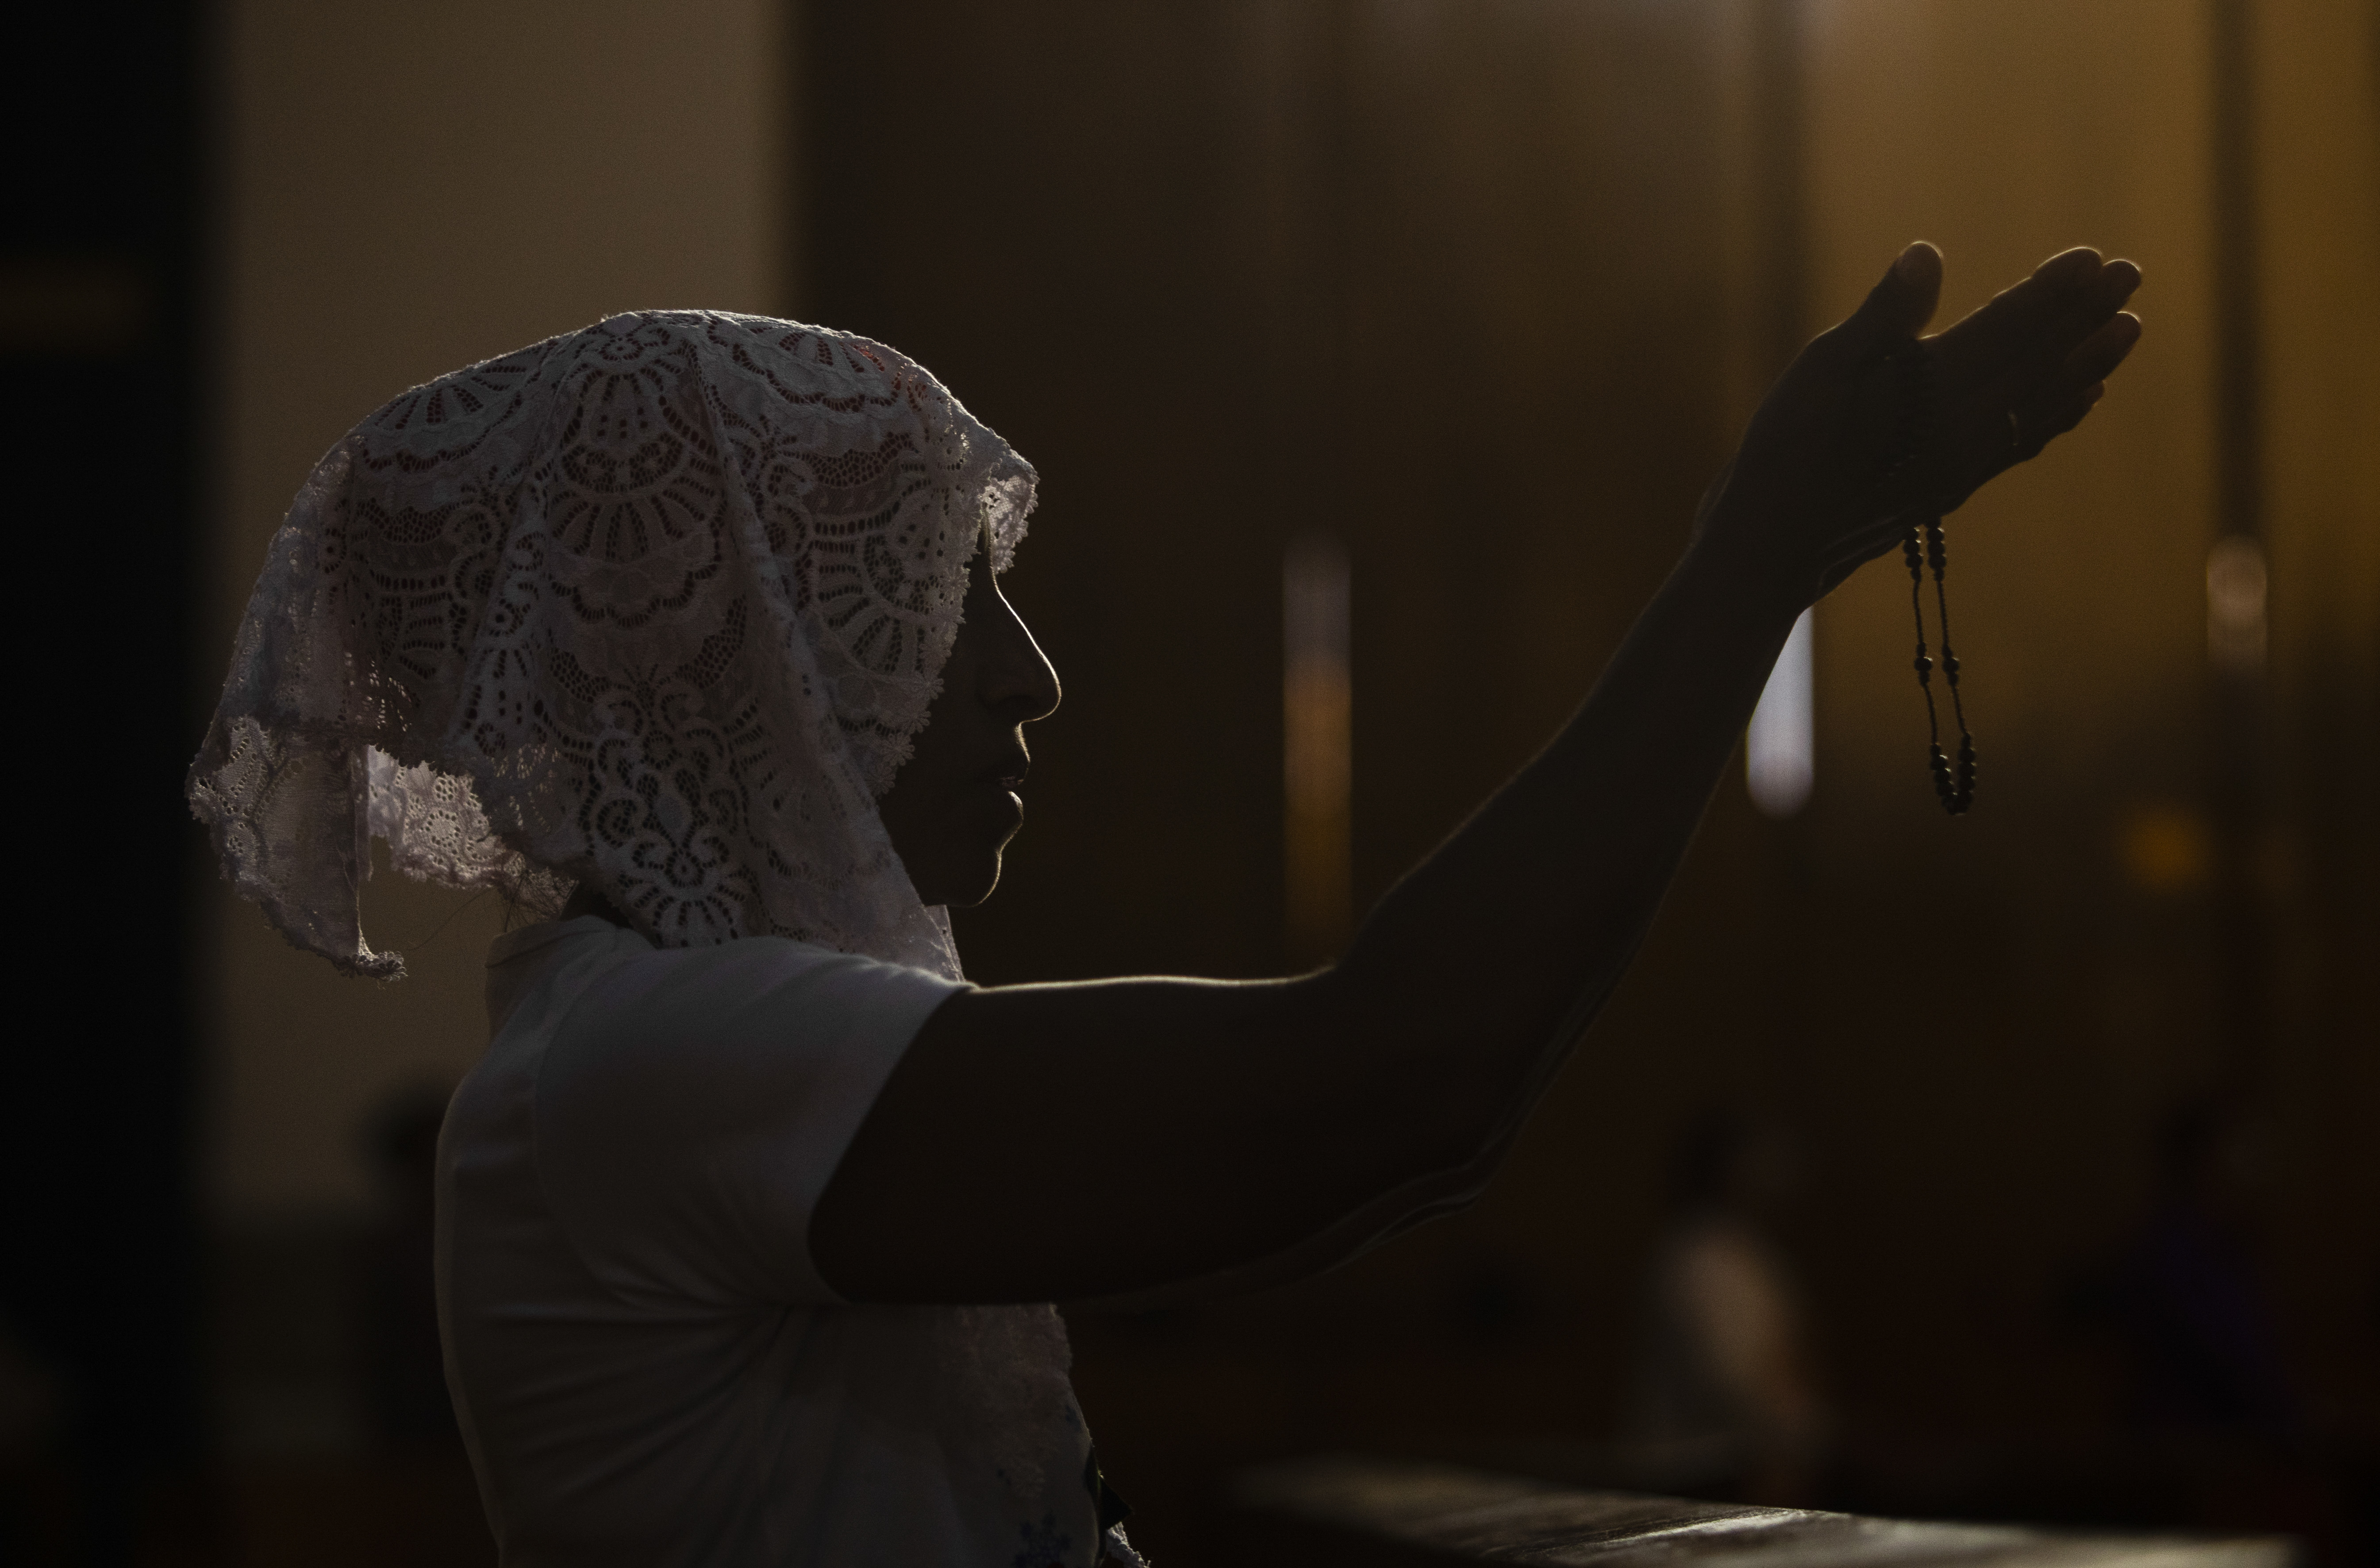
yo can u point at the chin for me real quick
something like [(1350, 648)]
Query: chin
[(969, 884)]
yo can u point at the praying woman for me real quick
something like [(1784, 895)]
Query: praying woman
[(684, 632)]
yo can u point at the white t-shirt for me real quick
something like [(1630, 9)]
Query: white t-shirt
[(647, 1366)]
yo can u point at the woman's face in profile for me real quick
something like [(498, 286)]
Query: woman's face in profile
[(954, 805)]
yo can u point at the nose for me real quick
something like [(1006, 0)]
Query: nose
[(1015, 678)]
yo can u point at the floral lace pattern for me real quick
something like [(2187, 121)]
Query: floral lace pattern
[(658, 604)]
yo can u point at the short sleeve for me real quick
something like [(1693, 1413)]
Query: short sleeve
[(694, 1102)]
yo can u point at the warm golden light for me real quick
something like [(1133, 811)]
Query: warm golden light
[(2235, 585), (1316, 704), (2168, 848)]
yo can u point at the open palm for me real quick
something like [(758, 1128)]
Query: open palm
[(1824, 480)]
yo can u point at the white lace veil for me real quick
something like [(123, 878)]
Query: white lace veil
[(657, 605)]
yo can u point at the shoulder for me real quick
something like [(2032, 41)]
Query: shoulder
[(765, 1017), (591, 953), (727, 982)]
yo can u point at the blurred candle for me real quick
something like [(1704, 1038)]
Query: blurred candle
[(1316, 707), (2236, 581), (1779, 750)]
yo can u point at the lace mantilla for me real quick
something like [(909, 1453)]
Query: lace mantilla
[(658, 604)]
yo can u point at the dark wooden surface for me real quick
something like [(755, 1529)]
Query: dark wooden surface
[(1386, 1513)]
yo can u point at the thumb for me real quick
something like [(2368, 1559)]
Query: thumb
[(1899, 306)]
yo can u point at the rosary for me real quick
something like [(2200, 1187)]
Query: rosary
[(1922, 548)]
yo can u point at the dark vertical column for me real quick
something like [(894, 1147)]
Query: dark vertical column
[(1777, 321), (2239, 457), (97, 1269), (1304, 151), (1779, 193), (1047, 205), (2239, 770)]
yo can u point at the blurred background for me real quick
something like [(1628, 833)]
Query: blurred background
[(1373, 353)]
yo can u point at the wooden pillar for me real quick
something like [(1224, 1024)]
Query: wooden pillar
[(2238, 771)]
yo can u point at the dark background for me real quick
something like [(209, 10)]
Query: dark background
[(1479, 291), (99, 1261)]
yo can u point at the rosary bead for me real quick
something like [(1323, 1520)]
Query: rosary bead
[(1921, 547)]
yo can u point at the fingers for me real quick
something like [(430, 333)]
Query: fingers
[(2054, 408), (2035, 361), (1896, 309), (1982, 344), (2092, 311), (1918, 272), (2096, 356), (2039, 369), (2078, 381)]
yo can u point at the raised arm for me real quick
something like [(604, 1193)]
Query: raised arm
[(1131, 1137)]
